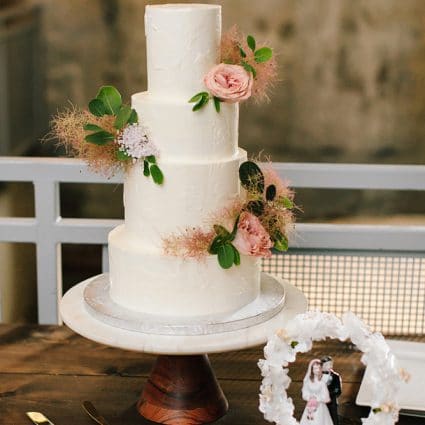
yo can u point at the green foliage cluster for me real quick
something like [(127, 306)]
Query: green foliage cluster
[(222, 246), (252, 179), (202, 98), (261, 55), (108, 101)]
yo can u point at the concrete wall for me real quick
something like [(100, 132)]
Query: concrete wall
[(352, 72)]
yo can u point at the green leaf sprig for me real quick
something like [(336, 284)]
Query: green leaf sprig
[(202, 98), (261, 55), (150, 168), (227, 254), (260, 196), (252, 179), (108, 101)]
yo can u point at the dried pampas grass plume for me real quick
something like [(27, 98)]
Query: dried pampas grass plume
[(227, 215), (266, 72), (68, 131), (230, 41), (191, 243)]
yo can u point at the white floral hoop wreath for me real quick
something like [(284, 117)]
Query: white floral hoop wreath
[(298, 336)]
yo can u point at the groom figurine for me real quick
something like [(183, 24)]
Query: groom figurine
[(333, 381)]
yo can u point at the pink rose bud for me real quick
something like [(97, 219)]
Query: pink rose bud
[(312, 404), (251, 237), (230, 83)]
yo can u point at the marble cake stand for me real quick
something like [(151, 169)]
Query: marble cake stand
[(182, 388)]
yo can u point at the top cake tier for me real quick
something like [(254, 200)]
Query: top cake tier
[(183, 43)]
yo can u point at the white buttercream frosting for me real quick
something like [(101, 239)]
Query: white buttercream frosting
[(199, 158), (192, 191), (183, 43), (181, 133), (144, 280)]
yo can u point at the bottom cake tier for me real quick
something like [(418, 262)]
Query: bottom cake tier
[(150, 282)]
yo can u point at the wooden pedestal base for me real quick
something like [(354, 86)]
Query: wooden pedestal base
[(182, 390)]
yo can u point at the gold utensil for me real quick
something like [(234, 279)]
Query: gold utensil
[(38, 418), (93, 413)]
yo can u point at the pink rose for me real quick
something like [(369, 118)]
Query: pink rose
[(312, 404), (230, 83), (251, 237)]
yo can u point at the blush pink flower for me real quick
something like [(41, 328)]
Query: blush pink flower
[(230, 83), (312, 404), (251, 237)]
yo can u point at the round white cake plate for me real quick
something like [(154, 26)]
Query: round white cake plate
[(76, 315), (182, 387)]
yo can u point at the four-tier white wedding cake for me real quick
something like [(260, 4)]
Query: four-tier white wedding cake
[(199, 157)]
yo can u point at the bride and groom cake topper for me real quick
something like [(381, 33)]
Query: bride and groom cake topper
[(321, 389)]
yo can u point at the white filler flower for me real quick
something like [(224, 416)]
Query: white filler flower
[(135, 142)]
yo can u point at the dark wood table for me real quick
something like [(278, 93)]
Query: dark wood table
[(52, 370)]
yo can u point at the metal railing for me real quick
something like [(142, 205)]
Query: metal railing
[(48, 230)]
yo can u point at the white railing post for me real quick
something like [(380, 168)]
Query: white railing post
[(105, 259), (49, 262)]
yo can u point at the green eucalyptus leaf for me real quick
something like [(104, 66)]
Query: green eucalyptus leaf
[(226, 255), (111, 98), (294, 344), (286, 202), (242, 52), (133, 119), (122, 117), (251, 177), (271, 192), (221, 231), (263, 55), (122, 155), (156, 174), (100, 138), (151, 159), (249, 68), (251, 42), (235, 228), (237, 259), (198, 97), (217, 102), (92, 127), (280, 242), (202, 102), (146, 170), (198, 106), (255, 207), (97, 107), (217, 241)]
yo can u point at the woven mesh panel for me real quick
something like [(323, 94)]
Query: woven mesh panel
[(388, 292)]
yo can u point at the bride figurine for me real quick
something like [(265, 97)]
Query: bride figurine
[(315, 393)]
